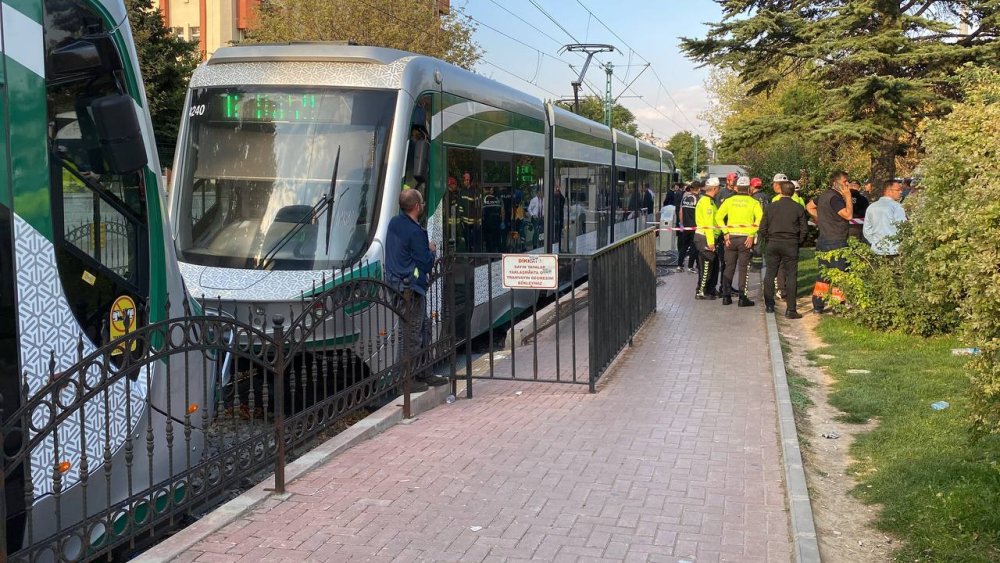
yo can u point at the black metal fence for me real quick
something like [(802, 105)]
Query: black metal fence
[(567, 335), (141, 434), (172, 418)]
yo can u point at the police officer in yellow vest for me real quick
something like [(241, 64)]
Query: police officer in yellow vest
[(705, 237), (738, 216), (776, 183)]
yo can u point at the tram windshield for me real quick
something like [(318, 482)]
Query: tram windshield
[(258, 187)]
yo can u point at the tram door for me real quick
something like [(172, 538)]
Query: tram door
[(9, 365)]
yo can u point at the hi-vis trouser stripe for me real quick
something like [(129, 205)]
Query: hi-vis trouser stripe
[(746, 281), (705, 269)]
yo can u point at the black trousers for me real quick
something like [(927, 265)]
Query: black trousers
[(737, 264), (781, 256), (686, 248), (721, 263), (708, 265)]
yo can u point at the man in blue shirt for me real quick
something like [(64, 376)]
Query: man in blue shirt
[(882, 219), (409, 257)]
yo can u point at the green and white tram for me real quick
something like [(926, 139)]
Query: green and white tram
[(264, 211), (83, 257)]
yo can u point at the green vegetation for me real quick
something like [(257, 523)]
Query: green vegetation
[(682, 146), (735, 113), (166, 63), (939, 489), (797, 386), (849, 71), (409, 25), (946, 278), (592, 108)]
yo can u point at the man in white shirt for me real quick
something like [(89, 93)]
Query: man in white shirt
[(882, 219), (536, 212)]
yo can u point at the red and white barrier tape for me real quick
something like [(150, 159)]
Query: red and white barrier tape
[(721, 227)]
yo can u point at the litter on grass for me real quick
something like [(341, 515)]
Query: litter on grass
[(940, 405)]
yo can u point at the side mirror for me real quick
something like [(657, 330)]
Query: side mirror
[(81, 56), (119, 134), (84, 56), (421, 159)]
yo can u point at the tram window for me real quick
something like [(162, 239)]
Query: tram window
[(529, 172), (496, 194), (99, 216), (420, 134), (464, 199), (585, 186), (99, 230), (207, 201)]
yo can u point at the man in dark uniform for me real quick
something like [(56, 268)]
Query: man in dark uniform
[(783, 230), (506, 195), (860, 207), (492, 218), (471, 214), (557, 214), (832, 210), (409, 257), (757, 192), (685, 238)]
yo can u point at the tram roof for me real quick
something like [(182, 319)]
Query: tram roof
[(307, 52)]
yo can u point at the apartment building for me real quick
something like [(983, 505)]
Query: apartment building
[(218, 23)]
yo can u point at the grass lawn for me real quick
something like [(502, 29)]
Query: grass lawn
[(807, 271), (940, 490)]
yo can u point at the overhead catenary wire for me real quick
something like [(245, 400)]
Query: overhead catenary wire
[(515, 75), (633, 50), (573, 37), (540, 52)]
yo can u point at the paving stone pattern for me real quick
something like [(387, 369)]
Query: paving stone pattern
[(675, 459)]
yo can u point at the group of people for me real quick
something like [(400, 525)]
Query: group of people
[(724, 223), (501, 219)]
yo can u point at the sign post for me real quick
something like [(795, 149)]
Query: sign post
[(530, 271)]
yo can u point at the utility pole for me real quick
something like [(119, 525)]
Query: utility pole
[(591, 49), (694, 167), (610, 70)]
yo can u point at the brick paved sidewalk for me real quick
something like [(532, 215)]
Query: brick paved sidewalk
[(675, 459)]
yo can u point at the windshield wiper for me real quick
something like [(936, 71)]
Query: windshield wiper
[(330, 195), (324, 205)]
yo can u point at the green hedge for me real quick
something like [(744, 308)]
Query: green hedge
[(947, 277)]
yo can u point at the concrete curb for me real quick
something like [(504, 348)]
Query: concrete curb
[(374, 424), (803, 527)]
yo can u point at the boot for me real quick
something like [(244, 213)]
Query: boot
[(702, 295), (727, 300), (793, 315), (745, 301)]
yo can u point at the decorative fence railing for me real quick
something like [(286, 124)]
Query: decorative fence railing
[(567, 335), (137, 436), (140, 435)]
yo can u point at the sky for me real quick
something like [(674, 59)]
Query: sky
[(521, 46)]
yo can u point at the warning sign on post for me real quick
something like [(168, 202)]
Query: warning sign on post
[(530, 271)]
